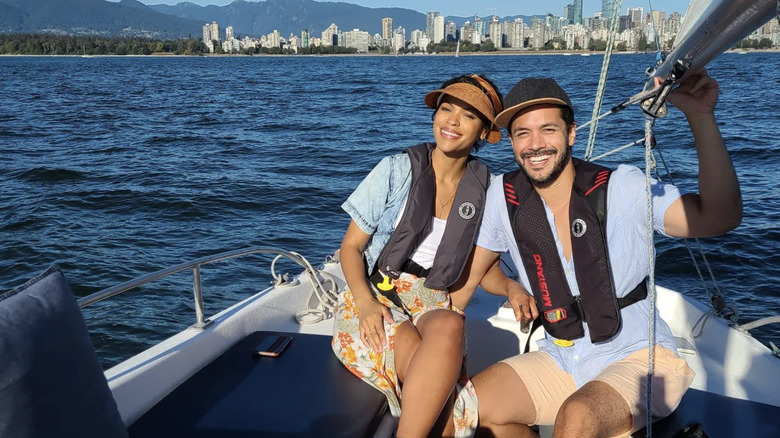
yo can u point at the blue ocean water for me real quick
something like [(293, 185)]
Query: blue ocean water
[(114, 167)]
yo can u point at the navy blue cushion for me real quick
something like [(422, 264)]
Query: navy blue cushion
[(51, 383)]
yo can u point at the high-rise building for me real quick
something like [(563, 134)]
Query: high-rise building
[(438, 29), (330, 35), (399, 39), (538, 33), (293, 43), (479, 27), (494, 30), (210, 33), (274, 39), (357, 39), (451, 31), (424, 41), (625, 23), (206, 33), (305, 38), (414, 37), (467, 32), (608, 9), (387, 28), (577, 11), (229, 33), (675, 20), (568, 13), (658, 17), (214, 31), (516, 34), (636, 15), (430, 16)]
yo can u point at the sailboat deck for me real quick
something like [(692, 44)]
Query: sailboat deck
[(304, 392), (307, 392)]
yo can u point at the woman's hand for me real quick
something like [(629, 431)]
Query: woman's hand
[(370, 311), (372, 315)]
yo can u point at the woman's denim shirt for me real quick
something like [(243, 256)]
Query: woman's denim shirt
[(378, 201)]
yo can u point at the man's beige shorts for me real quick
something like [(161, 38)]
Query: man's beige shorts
[(549, 386)]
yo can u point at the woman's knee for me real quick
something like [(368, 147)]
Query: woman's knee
[(441, 323)]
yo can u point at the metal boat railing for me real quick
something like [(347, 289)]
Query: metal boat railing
[(195, 265)]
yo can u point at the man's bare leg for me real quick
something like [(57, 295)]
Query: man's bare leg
[(595, 410), (505, 407)]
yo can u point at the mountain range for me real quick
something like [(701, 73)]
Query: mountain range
[(292, 16), (253, 18), (92, 17)]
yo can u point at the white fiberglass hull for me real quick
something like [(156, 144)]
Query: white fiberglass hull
[(726, 361)]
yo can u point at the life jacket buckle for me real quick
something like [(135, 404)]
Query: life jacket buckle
[(555, 315)]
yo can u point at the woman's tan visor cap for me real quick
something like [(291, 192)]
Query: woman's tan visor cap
[(473, 96)]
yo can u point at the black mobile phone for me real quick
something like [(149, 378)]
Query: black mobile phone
[(273, 345)]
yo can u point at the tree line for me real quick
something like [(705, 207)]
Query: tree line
[(47, 44)]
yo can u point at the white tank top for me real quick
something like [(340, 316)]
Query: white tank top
[(425, 253)]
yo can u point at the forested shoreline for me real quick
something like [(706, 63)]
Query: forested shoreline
[(63, 45)]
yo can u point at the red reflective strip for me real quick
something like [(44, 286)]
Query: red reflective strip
[(594, 187)]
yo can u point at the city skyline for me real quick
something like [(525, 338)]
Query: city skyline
[(462, 8)]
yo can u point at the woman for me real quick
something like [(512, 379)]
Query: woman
[(414, 220)]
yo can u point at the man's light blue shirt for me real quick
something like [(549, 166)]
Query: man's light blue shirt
[(629, 254)]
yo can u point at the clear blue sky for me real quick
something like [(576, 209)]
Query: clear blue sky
[(485, 7)]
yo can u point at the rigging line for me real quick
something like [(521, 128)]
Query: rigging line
[(649, 165), (655, 33), (626, 146), (637, 98), (603, 79)]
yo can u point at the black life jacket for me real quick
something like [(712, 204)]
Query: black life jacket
[(562, 314), (416, 221)]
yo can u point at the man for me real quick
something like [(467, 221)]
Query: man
[(577, 234)]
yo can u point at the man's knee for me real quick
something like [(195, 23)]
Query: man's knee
[(576, 410), (595, 410)]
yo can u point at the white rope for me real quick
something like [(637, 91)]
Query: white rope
[(603, 80), (328, 298), (698, 327), (760, 322), (649, 166)]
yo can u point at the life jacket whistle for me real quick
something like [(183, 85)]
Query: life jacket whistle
[(385, 285)]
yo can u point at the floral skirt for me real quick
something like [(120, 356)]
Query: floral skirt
[(378, 368)]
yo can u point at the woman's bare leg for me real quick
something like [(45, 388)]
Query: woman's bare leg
[(431, 373)]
